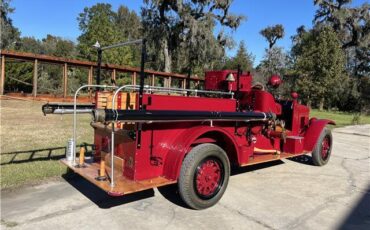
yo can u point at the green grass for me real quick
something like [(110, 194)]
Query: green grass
[(341, 118), (31, 143)]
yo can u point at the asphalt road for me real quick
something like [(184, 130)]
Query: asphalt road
[(280, 195)]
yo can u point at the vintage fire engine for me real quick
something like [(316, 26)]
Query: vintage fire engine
[(146, 137)]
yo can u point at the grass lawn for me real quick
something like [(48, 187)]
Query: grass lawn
[(31, 143), (341, 118)]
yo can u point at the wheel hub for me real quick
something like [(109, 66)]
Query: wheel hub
[(325, 148), (208, 178)]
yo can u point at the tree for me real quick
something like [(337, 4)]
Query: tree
[(272, 34), (320, 65), (242, 58), (57, 46), (8, 33), (274, 61), (352, 25), (129, 23), (98, 23), (187, 26)]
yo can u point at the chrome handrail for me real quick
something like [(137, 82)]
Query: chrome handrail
[(75, 116)]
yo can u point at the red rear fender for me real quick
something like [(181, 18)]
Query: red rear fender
[(182, 146)]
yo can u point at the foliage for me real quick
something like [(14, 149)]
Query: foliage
[(20, 74), (8, 33), (320, 65), (272, 34), (274, 62), (242, 58), (182, 32), (99, 24), (352, 24)]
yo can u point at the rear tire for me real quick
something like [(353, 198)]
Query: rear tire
[(204, 176), (322, 151)]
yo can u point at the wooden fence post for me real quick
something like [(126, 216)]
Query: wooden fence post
[(2, 78), (133, 78), (153, 80), (169, 82), (90, 79), (114, 75), (35, 74), (65, 79)]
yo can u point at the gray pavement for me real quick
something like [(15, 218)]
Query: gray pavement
[(279, 195)]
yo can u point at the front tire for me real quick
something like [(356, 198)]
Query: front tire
[(322, 150), (204, 176)]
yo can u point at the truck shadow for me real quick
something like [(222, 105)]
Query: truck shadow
[(303, 159), (169, 192), (100, 197)]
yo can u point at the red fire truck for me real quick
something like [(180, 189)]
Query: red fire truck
[(147, 137)]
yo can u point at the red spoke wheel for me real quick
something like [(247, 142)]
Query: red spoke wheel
[(204, 176), (325, 148), (208, 177), (322, 150)]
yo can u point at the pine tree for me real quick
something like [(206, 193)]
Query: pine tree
[(242, 58), (320, 65)]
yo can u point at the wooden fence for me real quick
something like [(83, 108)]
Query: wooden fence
[(36, 59)]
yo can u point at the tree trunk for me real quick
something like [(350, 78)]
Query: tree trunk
[(309, 103), (167, 57), (321, 105)]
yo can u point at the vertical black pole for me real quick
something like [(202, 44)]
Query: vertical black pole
[(238, 79), (99, 68), (141, 90), (238, 87), (188, 81), (142, 73)]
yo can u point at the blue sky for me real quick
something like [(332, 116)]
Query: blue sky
[(38, 18)]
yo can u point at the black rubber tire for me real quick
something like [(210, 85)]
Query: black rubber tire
[(189, 166), (317, 158)]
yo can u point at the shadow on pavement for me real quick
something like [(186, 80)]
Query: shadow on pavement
[(303, 159), (238, 170), (359, 217), (100, 197), (52, 153), (169, 192)]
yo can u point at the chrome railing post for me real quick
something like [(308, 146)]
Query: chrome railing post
[(75, 116), (113, 124)]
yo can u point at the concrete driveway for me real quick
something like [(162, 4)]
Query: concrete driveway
[(279, 195)]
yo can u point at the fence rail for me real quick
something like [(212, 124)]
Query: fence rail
[(65, 63)]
